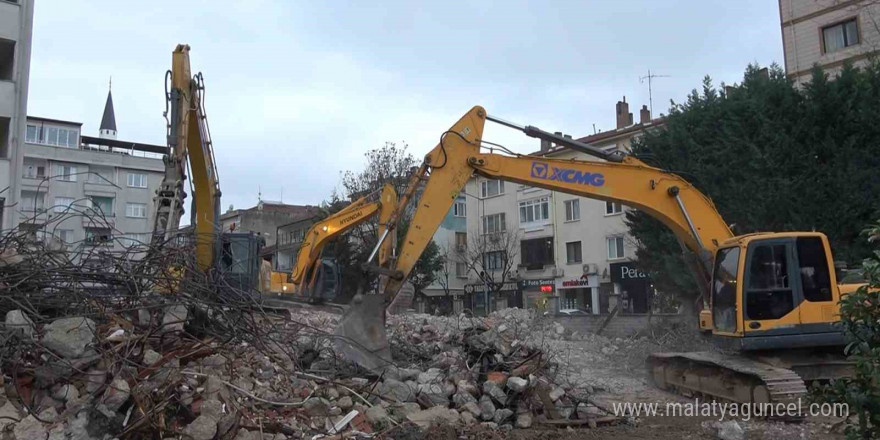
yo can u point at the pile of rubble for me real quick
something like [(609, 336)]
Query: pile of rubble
[(142, 374)]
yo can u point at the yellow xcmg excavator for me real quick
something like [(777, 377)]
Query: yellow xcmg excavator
[(315, 278), (771, 296)]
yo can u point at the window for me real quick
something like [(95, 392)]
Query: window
[(724, 289), (615, 248), (535, 210), (460, 270), (65, 235), (840, 35), (572, 210), (489, 188), (103, 205), (460, 241), (95, 236), (136, 210), (769, 292), (459, 209), (32, 134), (49, 135), (537, 253), (494, 223), (30, 171), (136, 180), (63, 203), (60, 137), (32, 201), (815, 279), (65, 173), (494, 260), (573, 252), (612, 208)]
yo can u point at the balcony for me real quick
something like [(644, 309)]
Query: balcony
[(95, 220)]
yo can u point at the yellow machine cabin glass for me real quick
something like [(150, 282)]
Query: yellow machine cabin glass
[(724, 289)]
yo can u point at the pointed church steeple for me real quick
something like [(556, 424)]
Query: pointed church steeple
[(108, 121)]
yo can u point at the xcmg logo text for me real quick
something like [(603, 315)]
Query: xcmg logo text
[(544, 171)]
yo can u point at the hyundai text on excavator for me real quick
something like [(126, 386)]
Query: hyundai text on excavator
[(315, 278), (771, 296)]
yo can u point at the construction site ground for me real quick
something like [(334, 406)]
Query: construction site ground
[(614, 370)]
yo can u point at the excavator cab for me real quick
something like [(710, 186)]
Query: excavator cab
[(779, 290), (238, 264)]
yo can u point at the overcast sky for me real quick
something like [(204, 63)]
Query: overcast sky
[(297, 91)]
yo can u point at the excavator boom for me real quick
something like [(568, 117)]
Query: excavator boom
[(667, 197)]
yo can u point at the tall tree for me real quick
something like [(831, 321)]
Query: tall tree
[(772, 157), (389, 164)]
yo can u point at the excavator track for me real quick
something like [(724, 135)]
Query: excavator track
[(730, 378)]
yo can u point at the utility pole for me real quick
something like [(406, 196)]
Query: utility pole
[(650, 77)]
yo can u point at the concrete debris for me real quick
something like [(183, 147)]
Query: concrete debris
[(517, 384), (30, 428), (434, 416), (18, 322), (202, 428), (69, 337)]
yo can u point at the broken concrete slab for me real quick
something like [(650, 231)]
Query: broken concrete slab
[(69, 337)]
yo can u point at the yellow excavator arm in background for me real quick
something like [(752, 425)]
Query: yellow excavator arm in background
[(303, 275), (626, 180), (188, 140)]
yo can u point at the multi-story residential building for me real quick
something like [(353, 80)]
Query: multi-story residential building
[(16, 24), (95, 194), (446, 294), (573, 250), (827, 33)]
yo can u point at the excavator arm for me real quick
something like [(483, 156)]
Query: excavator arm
[(188, 140), (624, 179), (323, 231)]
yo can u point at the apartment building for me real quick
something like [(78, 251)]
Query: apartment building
[(276, 222), (571, 250), (827, 33), (16, 25), (447, 293), (94, 194)]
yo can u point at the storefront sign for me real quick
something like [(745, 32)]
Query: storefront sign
[(476, 288), (624, 272), (534, 284), (584, 281)]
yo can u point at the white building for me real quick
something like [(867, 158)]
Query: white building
[(827, 33), (16, 23), (93, 193), (572, 250)]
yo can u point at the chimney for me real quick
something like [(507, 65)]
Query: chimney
[(624, 117), (568, 136), (644, 115)]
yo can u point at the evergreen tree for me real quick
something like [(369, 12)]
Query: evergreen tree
[(771, 157)]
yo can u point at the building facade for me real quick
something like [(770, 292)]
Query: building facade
[(271, 220), (447, 293), (562, 253), (93, 194), (827, 33), (16, 25)]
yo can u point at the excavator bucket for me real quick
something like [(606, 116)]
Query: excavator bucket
[(361, 333)]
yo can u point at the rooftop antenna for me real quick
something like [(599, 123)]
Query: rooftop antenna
[(650, 77), (282, 194)]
